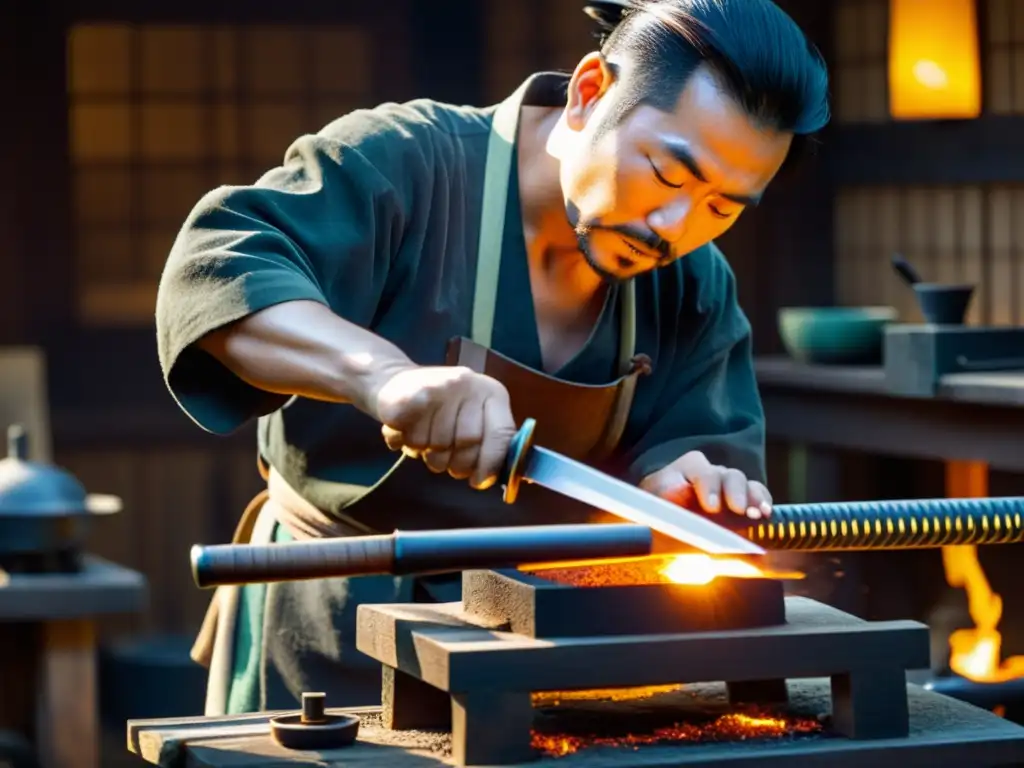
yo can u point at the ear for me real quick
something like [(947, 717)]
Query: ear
[(591, 81)]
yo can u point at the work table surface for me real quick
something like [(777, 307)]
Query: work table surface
[(1004, 388)]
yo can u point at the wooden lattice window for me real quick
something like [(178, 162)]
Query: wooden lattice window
[(860, 41), (1004, 56), (160, 114), (969, 233)]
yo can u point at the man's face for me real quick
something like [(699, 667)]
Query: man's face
[(658, 185)]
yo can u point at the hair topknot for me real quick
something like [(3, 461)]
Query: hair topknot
[(763, 57)]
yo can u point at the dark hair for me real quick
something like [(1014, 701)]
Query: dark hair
[(761, 56)]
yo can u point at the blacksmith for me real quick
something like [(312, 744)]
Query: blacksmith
[(563, 241)]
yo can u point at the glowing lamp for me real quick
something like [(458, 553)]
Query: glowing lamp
[(934, 67)]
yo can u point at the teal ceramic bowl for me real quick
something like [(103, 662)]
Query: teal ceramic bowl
[(835, 335)]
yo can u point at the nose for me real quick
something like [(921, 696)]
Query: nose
[(669, 221)]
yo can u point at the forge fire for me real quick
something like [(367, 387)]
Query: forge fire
[(691, 569), (654, 715), (633, 718)]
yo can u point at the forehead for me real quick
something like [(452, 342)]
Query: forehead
[(724, 139)]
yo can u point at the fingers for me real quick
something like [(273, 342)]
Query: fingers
[(759, 499), (499, 429), (705, 478), (734, 491), (469, 431), (715, 488), (671, 485), (392, 438), (443, 430)]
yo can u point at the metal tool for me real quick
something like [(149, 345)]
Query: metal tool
[(415, 552), (314, 727), (534, 464)]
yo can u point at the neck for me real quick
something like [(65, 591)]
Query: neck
[(555, 261)]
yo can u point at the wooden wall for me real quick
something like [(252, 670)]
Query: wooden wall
[(175, 495), (953, 232), (129, 113)]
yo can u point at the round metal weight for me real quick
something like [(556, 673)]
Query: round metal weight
[(313, 727)]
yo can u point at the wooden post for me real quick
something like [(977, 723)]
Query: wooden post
[(966, 479), (67, 706)]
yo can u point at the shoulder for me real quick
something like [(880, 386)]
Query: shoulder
[(406, 136), (392, 154)]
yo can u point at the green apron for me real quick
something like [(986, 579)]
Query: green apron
[(265, 644)]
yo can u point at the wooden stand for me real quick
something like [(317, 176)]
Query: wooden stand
[(478, 682), (48, 656)]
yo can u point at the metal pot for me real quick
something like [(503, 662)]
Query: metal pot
[(43, 509)]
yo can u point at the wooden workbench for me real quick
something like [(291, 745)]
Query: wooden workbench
[(944, 734), (974, 417), (48, 656)]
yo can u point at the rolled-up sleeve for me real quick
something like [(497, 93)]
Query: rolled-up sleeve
[(321, 227)]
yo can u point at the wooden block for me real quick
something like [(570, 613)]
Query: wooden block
[(410, 704), (817, 641), (871, 704), (530, 604), (491, 727)]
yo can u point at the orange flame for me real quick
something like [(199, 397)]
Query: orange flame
[(703, 569), (975, 653)]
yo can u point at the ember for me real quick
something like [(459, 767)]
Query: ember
[(734, 726), (675, 569)]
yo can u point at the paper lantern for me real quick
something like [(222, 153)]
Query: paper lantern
[(934, 67)]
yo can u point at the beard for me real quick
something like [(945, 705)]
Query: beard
[(583, 242), (584, 232), (584, 245)]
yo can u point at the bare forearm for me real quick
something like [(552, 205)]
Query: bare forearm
[(302, 348)]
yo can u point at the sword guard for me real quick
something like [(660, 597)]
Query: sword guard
[(515, 460)]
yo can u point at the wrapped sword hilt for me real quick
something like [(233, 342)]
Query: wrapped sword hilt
[(877, 525), (415, 552)]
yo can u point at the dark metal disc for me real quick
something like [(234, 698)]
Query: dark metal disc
[(335, 732)]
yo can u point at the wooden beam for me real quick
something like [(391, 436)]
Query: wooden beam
[(989, 150), (67, 708)]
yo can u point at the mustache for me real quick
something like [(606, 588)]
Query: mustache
[(646, 237)]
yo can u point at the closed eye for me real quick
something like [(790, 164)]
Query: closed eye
[(661, 179)]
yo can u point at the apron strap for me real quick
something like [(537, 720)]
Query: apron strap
[(498, 167), (500, 146), (627, 329)]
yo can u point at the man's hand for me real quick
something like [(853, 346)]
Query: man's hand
[(695, 483), (458, 421)]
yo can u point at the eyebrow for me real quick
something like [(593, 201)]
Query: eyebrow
[(682, 153)]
